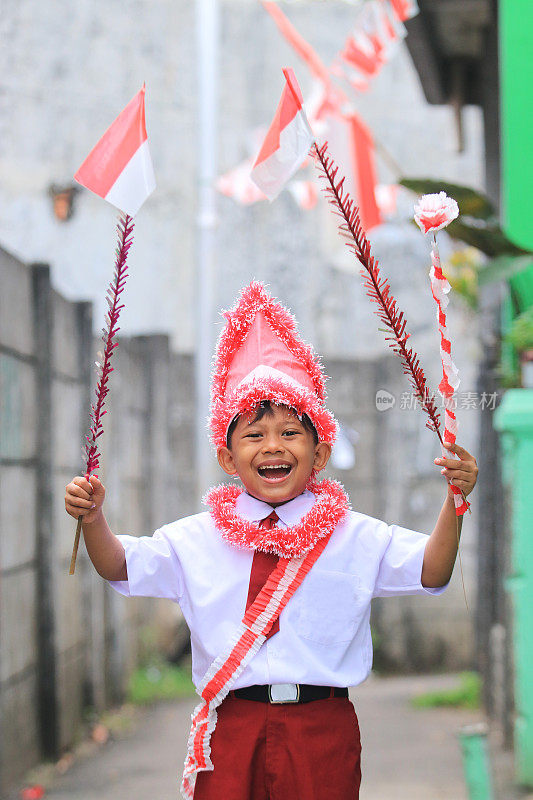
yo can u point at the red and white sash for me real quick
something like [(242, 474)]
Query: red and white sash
[(248, 638)]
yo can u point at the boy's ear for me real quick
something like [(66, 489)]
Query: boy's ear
[(225, 459), (322, 454)]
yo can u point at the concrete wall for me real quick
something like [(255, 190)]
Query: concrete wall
[(18, 543), (68, 642), (394, 479)]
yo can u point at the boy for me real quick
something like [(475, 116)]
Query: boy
[(275, 581)]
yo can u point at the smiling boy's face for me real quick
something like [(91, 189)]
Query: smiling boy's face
[(273, 456)]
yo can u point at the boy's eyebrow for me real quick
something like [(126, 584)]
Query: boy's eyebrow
[(292, 421)]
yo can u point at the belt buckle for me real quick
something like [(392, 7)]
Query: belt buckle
[(283, 693)]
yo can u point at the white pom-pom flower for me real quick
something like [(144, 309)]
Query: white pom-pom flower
[(435, 211)]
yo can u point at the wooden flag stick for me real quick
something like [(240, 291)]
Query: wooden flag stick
[(75, 548)]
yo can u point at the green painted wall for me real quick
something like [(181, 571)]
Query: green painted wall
[(516, 74), (514, 418)]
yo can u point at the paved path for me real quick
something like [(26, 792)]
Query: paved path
[(408, 754)]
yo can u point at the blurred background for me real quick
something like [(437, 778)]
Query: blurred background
[(412, 98)]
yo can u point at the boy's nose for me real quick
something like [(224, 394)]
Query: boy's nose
[(272, 444)]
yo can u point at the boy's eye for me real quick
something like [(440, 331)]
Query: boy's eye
[(290, 433), (252, 435)]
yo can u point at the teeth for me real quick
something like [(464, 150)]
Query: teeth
[(275, 466)]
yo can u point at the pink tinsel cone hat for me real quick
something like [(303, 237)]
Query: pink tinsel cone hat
[(260, 356)]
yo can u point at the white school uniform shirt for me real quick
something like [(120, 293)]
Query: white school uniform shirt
[(324, 636)]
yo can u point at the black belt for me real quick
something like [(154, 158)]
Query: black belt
[(304, 693)]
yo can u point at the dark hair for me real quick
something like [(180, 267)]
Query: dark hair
[(265, 407)]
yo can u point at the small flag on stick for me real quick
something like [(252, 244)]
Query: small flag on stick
[(119, 169), (287, 142)]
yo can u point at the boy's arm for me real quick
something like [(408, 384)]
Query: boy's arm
[(85, 498), (441, 549)]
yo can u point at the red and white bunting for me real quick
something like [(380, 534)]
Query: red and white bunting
[(363, 53), (342, 70), (376, 35), (387, 199), (305, 193), (297, 42), (351, 142), (404, 9), (378, 19), (379, 28), (238, 185), (287, 142), (119, 167)]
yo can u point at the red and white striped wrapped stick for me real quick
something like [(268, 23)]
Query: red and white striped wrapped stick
[(433, 212)]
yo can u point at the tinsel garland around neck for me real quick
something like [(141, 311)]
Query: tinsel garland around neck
[(331, 505)]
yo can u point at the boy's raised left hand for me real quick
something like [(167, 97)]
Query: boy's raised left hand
[(461, 471)]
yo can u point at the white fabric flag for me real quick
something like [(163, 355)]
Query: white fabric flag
[(286, 144), (119, 167)]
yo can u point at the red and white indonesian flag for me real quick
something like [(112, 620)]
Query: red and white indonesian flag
[(119, 167), (287, 142)]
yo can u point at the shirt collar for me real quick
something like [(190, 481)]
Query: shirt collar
[(290, 513)]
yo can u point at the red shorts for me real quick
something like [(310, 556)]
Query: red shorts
[(307, 751)]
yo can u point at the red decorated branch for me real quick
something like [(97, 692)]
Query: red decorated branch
[(104, 368), (378, 289)]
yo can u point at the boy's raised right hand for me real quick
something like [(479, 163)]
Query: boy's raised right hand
[(84, 498)]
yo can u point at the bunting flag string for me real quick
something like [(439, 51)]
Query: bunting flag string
[(297, 42), (387, 199), (305, 193), (379, 28), (238, 185)]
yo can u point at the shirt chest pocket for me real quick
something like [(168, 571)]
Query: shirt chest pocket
[(329, 607)]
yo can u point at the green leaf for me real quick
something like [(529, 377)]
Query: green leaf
[(503, 267), (490, 239), (520, 333)]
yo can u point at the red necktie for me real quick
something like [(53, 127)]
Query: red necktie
[(262, 565)]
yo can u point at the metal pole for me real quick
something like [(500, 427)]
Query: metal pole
[(207, 47)]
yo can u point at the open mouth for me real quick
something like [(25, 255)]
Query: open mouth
[(274, 472)]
